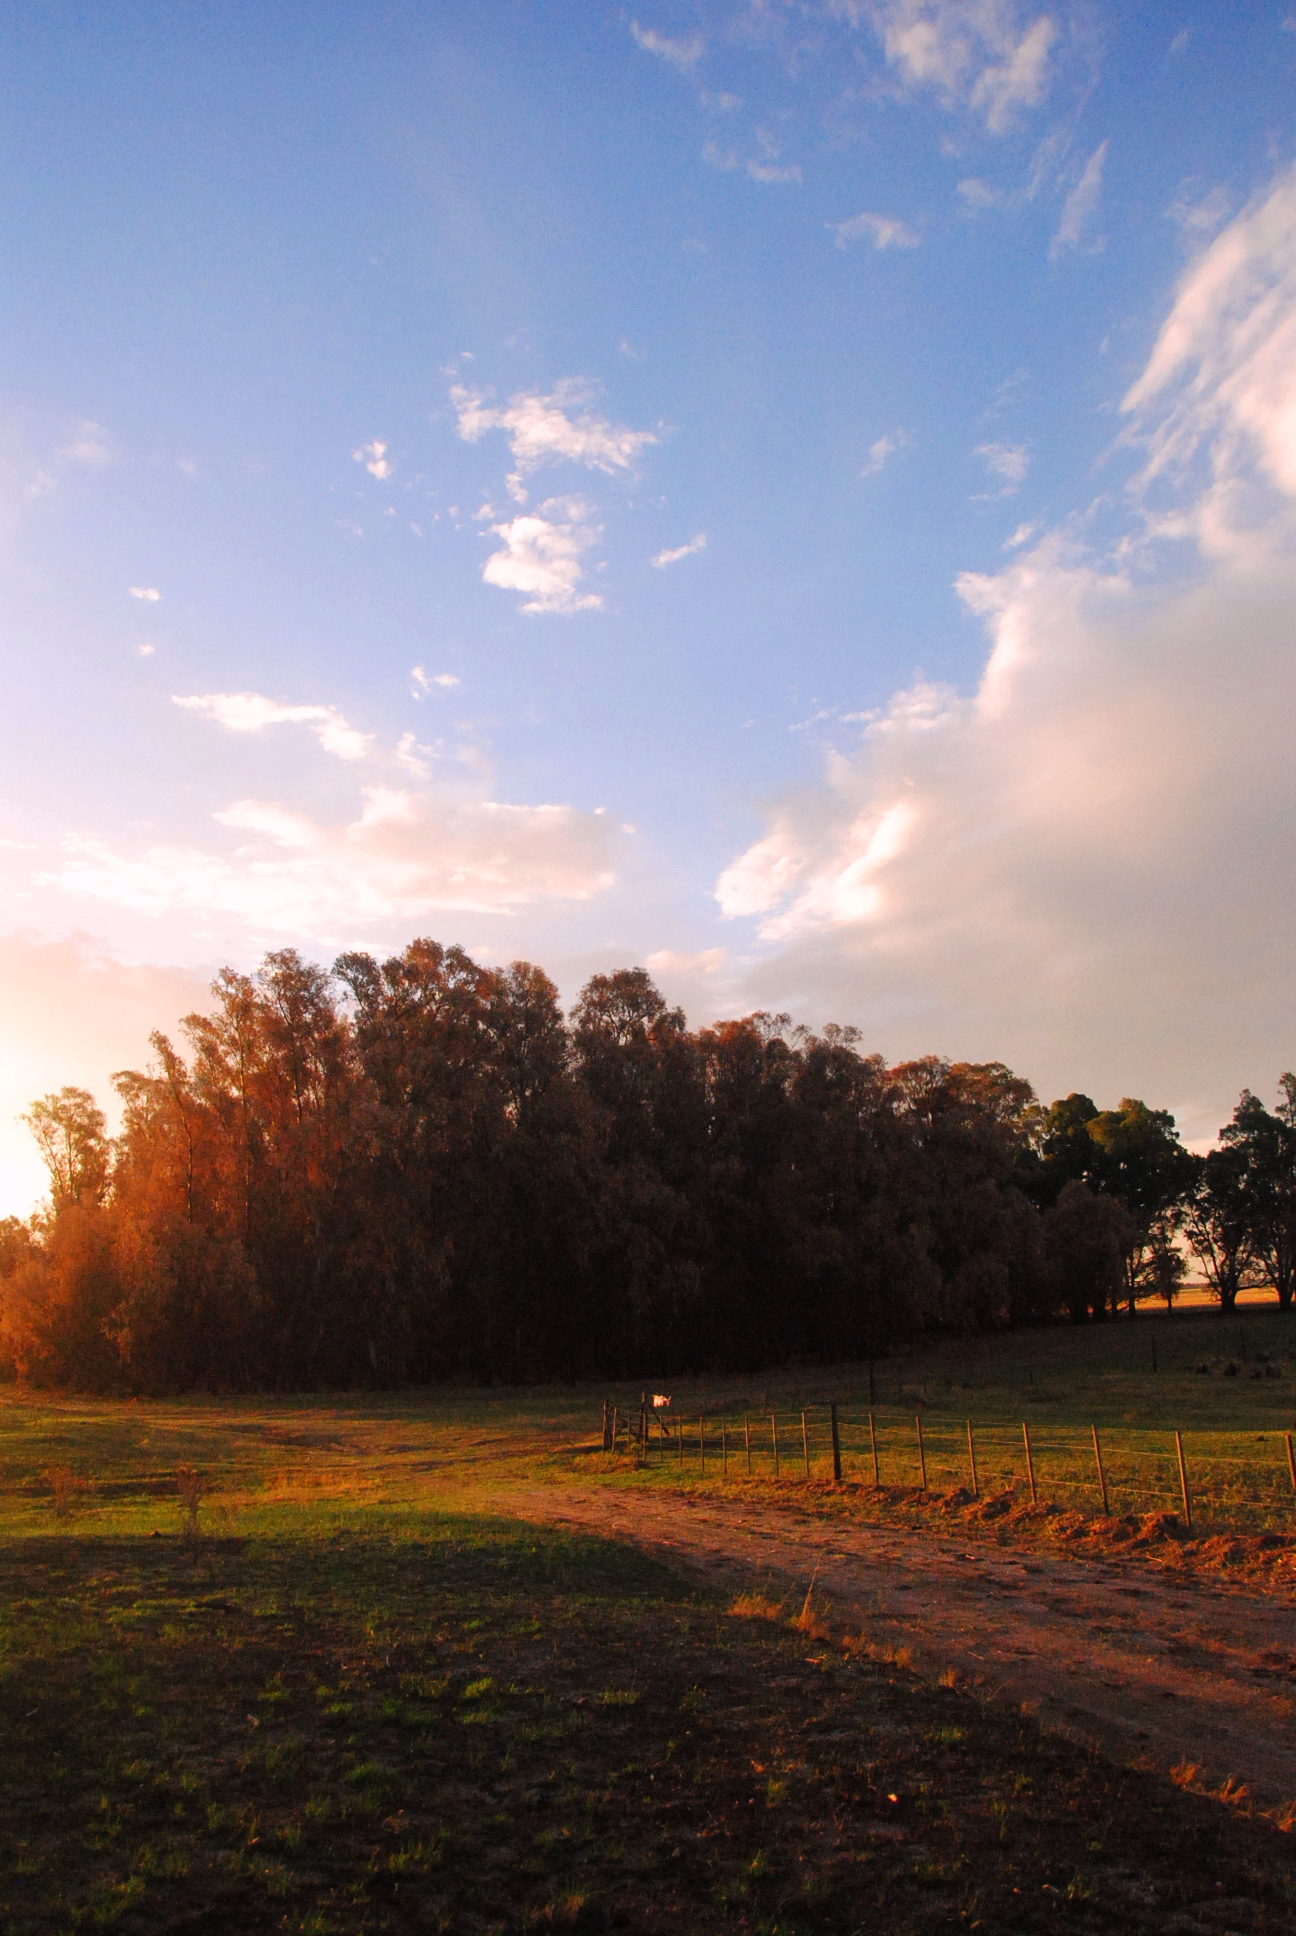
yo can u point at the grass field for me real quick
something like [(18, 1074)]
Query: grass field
[(359, 1700)]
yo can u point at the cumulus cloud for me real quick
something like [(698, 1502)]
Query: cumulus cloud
[(664, 558), (684, 54), (978, 54), (374, 458), (883, 231), (252, 712), (1080, 204), (541, 556), (1009, 462), (406, 854), (1084, 866), (149, 593), (544, 429)]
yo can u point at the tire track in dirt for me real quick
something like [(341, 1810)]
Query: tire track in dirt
[(1146, 1668)]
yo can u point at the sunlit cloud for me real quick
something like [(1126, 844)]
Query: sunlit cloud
[(694, 545), (407, 853), (541, 556), (683, 54), (425, 682), (252, 712), (881, 449), (883, 231), (374, 458), (1083, 865), (544, 429), (149, 593)]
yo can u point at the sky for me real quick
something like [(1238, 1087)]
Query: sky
[(801, 497)]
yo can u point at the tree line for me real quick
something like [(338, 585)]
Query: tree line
[(419, 1169)]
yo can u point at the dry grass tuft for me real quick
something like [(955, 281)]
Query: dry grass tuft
[(1183, 1774), (756, 1606), (191, 1489), (66, 1489)]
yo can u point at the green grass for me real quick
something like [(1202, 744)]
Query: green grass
[(423, 1720)]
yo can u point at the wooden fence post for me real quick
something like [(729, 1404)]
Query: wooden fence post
[(1030, 1463), (1291, 1459), (805, 1448), (922, 1456), (836, 1445), (747, 1435), (1102, 1476), (976, 1490), (607, 1426), (873, 1442), (774, 1429), (1183, 1482)]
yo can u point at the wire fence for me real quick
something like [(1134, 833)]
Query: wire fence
[(1247, 1480)]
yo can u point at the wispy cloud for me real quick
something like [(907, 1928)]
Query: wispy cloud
[(374, 458), (407, 853), (883, 231), (883, 448), (1199, 216), (978, 54), (664, 558), (763, 169), (1022, 535), (425, 682), (541, 556), (149, 593), (89, 446), (1080, 205), (252, 712), (683, 54), (545, 429), (1009, 462)]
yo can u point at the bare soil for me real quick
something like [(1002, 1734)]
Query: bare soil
[(1174, 1670)]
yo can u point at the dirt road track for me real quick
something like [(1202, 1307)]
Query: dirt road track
[(1146, 1668)]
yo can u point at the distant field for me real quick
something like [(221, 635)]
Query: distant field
[(360, 1700)]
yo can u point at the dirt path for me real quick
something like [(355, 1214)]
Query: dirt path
[(1149, 1669)]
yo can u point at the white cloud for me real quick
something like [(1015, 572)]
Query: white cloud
[(541, 556), (546, 429), (664, 558), (767, 171), (1199, 218), (252, 712), (89, 446), (669, 961), (1084, 867), (1007, 461), (407, 853), (975, 193), (374, 458), (684, 54), (149, 593), (1080, 204), (424, 682), (1022, 535), (145, 651), (883, 448), (883, 231), (978, 54)]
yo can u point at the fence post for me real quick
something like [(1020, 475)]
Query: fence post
[(607, 1426), (976, 1490), (1183, 1482), (747, 1434), (836, 1445), (1102, 1476), (774, 1430), (922, 1456), (805, 1448), (873, 1442), (1291, 1460), (616, 1425), (1030, 1463)]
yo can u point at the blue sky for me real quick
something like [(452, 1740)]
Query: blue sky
[(798, 495)]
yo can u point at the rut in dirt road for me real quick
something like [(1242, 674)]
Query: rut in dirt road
[(1145, 1668)]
